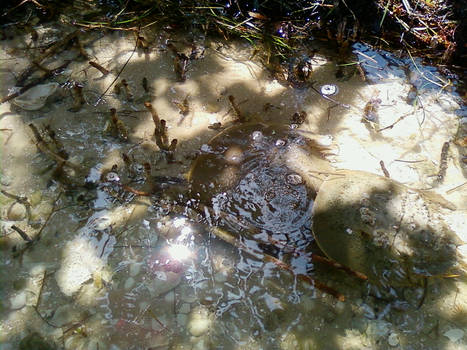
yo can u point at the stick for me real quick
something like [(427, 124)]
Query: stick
[(227, 237), (60, 44), (42, 145), (23, 234), (23, 200), (34, 83)]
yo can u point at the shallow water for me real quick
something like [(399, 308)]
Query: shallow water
[(113, 270)]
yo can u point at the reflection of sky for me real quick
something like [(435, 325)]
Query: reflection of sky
[(384, 65)]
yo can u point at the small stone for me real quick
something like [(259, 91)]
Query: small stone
[(18, 301), (182, 319), (294, 179), (17, 212), (185, 308), (35, 198), (129, 283), (220, 276), (393, 339), (135, 269), (454, 334), (199, 322)]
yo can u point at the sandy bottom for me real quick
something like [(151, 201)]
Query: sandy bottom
[(97, 278)]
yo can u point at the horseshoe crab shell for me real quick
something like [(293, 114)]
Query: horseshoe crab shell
[(383, 229), (36, 97)]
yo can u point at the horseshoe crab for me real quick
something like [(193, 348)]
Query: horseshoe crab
[(271, 184)]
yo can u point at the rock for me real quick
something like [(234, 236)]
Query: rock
[(17, 212), (129, 283), (454, 334), (164, 282), (200, 321), (18, 301), (81, 258), (393, 339)]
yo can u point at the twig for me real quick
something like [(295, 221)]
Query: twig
[(42, 145), (383, 168), (21, 233), (227, 237), (34, 83), (23, 200), (99, 68), (60, 44), (118, 75), (397, 121), (443, 164), (456, 188)]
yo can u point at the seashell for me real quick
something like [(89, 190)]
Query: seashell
[(329, 89), (36, 97)]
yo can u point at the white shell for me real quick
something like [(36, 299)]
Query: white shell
[(454, 334), (329, 89), (35, 98)]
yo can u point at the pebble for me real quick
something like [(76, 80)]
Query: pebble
[(17, 212), (184, 308), (200, 321), (393, 339), (164, 282), (36, 97), (129, 283), (135, 269), (18, 301)]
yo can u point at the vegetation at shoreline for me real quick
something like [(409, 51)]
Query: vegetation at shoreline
[(432, 29)]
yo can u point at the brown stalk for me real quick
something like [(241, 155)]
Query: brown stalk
[(227, 237), (52, 50), (99, 67), (43, 147), (155, 116)]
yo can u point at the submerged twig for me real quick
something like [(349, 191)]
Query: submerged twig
[(52, 50), (23, 200), (99, 68), (227, 237), (240, 116), (43, 147), (383, 168), (443, 164), (23, 234), (35, 82), (117, 76)]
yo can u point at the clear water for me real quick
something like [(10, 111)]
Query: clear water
[(113, 270)]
